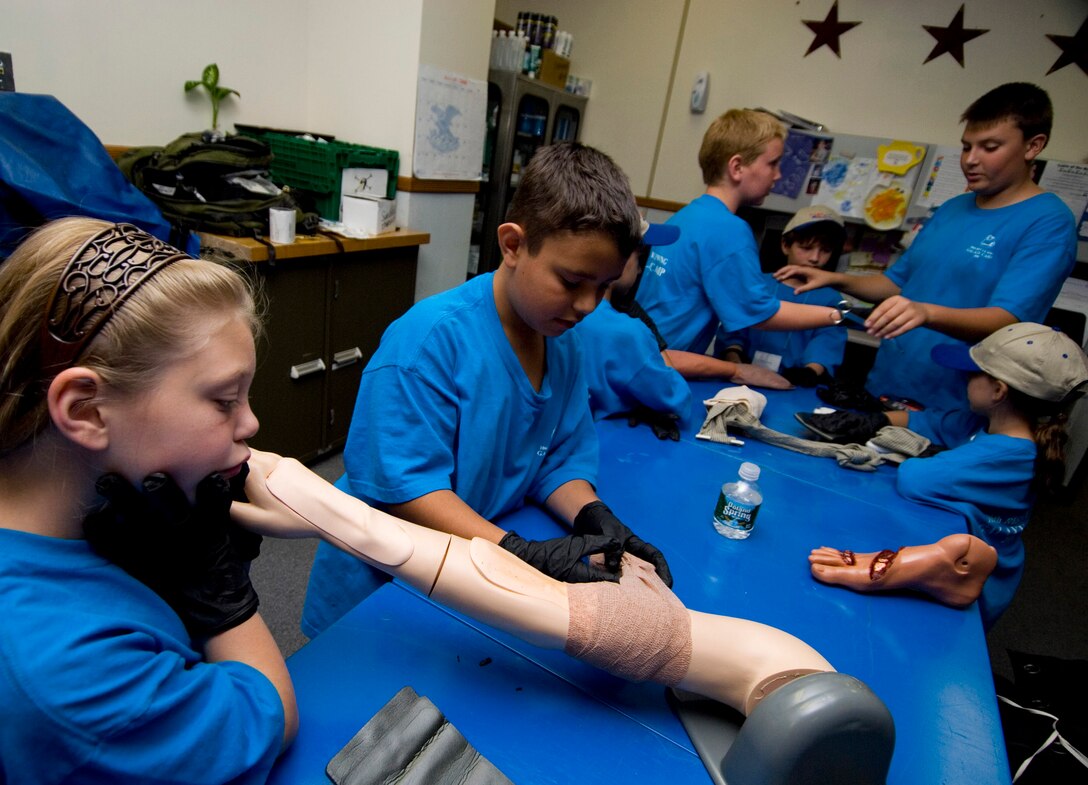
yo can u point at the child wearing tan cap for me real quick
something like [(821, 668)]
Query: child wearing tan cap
[(813, 237), (1022, 380)]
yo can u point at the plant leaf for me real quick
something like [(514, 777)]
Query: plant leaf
[(211, 75), (189, 85)]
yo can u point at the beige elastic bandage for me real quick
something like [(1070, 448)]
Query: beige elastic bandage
[(636, 629)]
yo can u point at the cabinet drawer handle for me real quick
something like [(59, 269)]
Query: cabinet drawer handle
[(305, 369), (346, 357)]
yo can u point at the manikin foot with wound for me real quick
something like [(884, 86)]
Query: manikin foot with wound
[(951, 570), (636, 629)]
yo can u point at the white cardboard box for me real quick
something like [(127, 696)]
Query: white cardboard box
[(373, 216), (364, 182)]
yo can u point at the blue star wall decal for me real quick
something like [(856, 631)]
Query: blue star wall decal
[(951, 39), (828, 31), (1074, 49)]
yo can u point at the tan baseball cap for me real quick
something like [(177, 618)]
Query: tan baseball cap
[(813, 214), (1035, 359)]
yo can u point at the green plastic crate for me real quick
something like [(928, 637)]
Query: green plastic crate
[(316, 167)]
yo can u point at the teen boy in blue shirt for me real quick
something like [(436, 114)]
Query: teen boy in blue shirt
[(476, 401), (986, 259)]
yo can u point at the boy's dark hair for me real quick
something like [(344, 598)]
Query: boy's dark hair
[(571, 187), (1027, 105), (827, 233)]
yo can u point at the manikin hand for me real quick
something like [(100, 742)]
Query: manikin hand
[(665, 425), (805, 278), (758, 376), (804, 375), (265, 514), (895, 316)]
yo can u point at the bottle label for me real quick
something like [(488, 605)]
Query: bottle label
[(736, 513)]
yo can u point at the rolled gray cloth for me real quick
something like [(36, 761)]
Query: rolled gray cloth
[(734, 407), (410, 742)]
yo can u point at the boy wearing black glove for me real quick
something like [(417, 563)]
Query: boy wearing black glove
[(475, 403)]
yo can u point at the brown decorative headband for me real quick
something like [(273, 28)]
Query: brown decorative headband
[(109, 267)]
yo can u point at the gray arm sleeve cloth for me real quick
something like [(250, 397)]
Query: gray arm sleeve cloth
[(410, 742), (722, 414)]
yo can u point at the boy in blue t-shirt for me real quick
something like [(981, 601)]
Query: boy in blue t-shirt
[(812, 238), (986, 259), (712, 274), (475, 402)]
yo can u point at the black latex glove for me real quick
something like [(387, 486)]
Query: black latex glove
[(665, 425), (561, 558), (803, 376), (596, 518), (247, 544), (184, 552)]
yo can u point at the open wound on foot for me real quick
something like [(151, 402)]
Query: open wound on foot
[(880, 563)]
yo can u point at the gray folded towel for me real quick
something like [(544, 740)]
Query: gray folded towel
[(410, 742)]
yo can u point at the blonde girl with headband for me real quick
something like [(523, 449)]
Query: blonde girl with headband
[(140, 657), (137, 655), (1022, 378)]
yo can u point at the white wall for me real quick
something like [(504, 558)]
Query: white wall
[(344, 67), (455, 36), (754, 50), (627, 48)]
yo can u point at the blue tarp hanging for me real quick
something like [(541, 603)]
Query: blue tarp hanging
[(52, 165)]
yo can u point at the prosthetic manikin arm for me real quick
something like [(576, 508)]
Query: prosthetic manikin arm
[(636, 629)]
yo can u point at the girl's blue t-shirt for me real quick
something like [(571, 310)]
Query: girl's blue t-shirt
[(988, 481), (624, 367), (100, 683)]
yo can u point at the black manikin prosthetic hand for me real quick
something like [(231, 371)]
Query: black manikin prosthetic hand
[(562, 558), (596, 518), (804, 376), (184, 552), (665, 425)]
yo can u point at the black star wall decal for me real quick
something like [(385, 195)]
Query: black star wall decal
[(828, 31), (1074, 49), (952, 38)]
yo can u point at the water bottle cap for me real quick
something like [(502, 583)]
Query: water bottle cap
[(749, 472)]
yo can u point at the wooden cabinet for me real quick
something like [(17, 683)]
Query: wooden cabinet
[(327, 306)]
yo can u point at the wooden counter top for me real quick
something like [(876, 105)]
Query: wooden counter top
[(247, 249)]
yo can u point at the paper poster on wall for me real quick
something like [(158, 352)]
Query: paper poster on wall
[(450, 115), (1069, 182), (846, 182), (802, 160), (943, 180)]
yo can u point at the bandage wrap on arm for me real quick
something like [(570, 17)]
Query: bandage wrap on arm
[(638, 630)]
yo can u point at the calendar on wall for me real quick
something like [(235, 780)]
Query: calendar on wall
[(449, 133)]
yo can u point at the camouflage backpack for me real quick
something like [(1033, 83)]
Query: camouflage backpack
[(209, 185)]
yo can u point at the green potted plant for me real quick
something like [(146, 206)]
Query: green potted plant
[(209, 80)]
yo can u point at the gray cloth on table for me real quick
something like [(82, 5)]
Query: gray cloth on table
[(740, 407), (410, 742)]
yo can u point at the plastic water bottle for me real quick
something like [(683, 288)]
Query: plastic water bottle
[(738, 504)]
